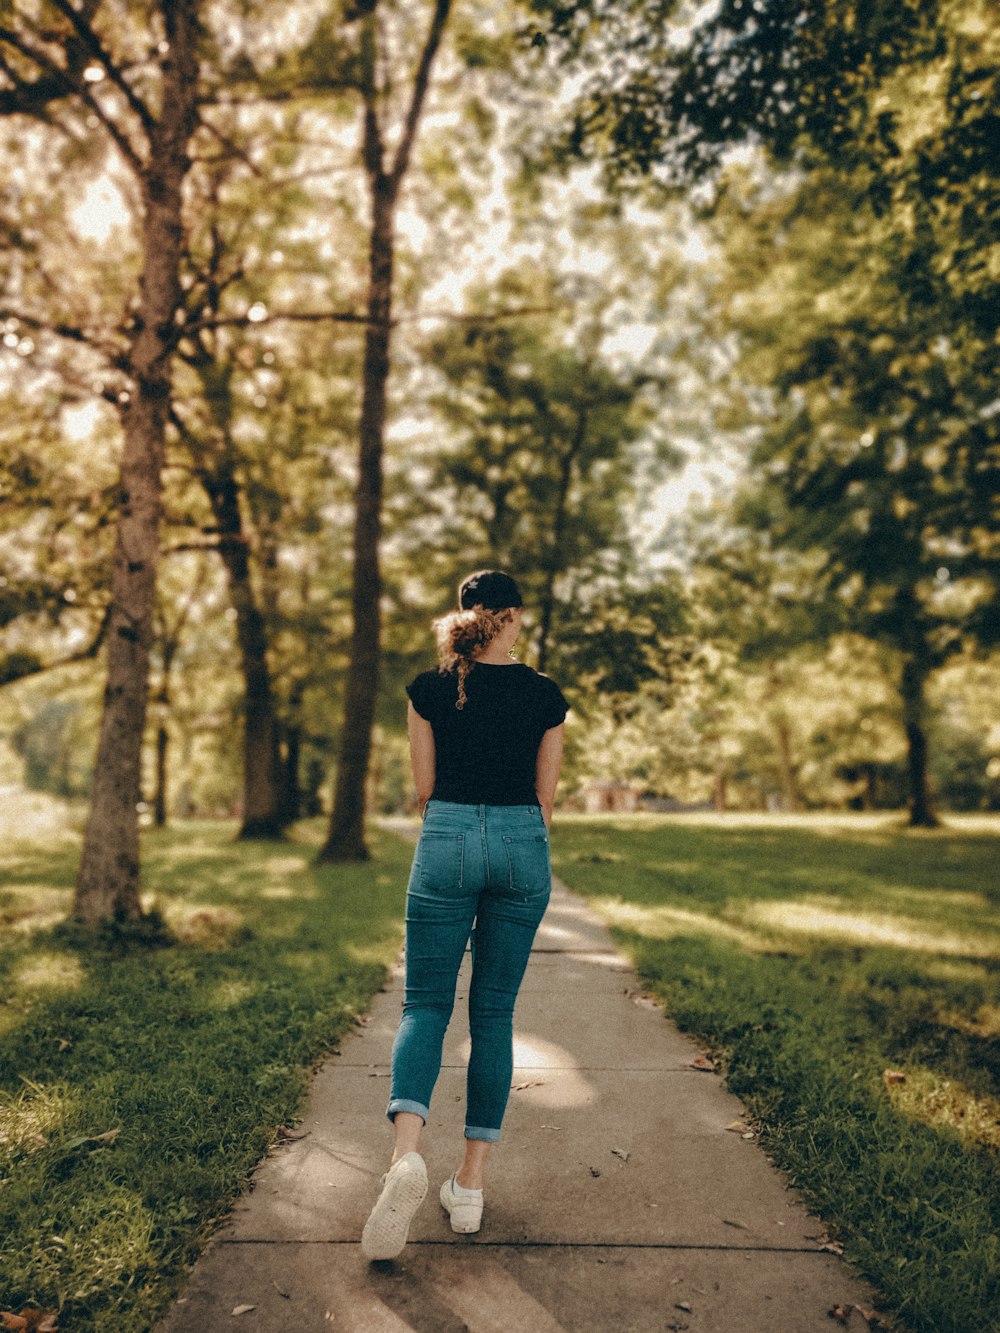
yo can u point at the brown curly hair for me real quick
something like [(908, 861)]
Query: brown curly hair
[(460, 633)]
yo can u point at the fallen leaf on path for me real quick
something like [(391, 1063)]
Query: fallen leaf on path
[(243, 1309), (30, 1320), (737, 1127), (893, 1076), (731, 1222), (594, 1171), (552, 1127), (535, 1083), (702, 1062), (842, 1314), (379, 1073), (683, 1305), (833, 1247), (620, 1152), (287, 1294)]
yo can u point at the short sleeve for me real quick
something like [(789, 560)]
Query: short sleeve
[(421, 695), (554, 706)]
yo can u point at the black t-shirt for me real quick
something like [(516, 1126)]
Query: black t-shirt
[(485, 752)]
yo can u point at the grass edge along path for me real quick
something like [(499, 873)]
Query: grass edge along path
[(140, 1086), (807, 1022)]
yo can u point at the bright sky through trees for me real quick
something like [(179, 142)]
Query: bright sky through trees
[(103, 209)]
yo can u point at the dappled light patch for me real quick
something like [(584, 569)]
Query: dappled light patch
[(663, 921), (946, 898), (206, 925), (374, 951), (281, 867), (29, 1118), (35, 816), (954, 969), (286, 891), (190, 848), (229, 992), (870, 928), (984, 1022), (562, 1086), (49, 970), (946, 1103), (25, 908)]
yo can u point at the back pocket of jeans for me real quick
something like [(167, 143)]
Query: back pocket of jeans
[(528, 864), (441, 861)]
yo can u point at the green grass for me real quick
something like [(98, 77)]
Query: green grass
[(185, 1058), (812, 958)]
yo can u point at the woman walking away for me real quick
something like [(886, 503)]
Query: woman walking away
[(486, 740)]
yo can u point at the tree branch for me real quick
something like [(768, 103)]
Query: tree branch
[(420, 85), (115, 358), (94, 45), (82, 655), (301, 316), (347, 317), (25, 98)]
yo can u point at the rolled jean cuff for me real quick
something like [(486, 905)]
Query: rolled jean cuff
[(401, 1104), (485, 1135)]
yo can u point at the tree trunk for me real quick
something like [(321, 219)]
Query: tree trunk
[(170, 644), (160, 796), (346, 840), (719, 791), (912, 686), (789, 789), (547, 598), (261, 768), (108, 881), (346, 837), (291, 788)]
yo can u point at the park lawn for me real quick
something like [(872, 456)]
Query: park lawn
[(811, 957), (140, 1085)]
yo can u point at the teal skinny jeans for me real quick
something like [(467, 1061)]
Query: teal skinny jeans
[(481, 872)]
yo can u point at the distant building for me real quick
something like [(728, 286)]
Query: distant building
[(605, 794)]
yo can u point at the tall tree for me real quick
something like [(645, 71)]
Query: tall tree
[(150, 119), (385, 169), (889, 451)]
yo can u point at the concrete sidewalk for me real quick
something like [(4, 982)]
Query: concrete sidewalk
[(618, 1199)]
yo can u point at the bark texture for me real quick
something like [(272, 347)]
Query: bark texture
[(261, 769), (346, 837), (912, 686), (547, 598), (108, 882)]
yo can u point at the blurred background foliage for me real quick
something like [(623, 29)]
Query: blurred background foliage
[(696, 335)]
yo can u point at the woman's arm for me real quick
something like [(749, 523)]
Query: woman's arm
[(421, 735), (547, 767)]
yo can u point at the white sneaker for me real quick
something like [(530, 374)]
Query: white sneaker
[(465, 1207), (403, 1188)]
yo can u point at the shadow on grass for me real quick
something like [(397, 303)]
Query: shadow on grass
[(139, 1087), (812, 964)]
